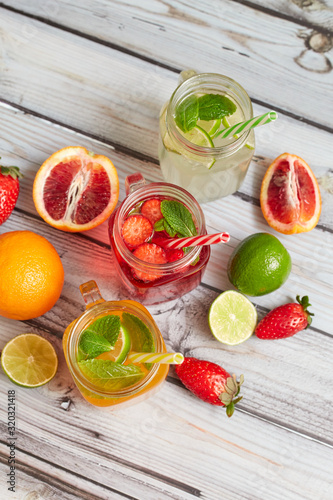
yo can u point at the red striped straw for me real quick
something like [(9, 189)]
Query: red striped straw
[(194, 241)]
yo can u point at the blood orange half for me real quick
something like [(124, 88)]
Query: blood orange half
[(290, 197), (76, 190)]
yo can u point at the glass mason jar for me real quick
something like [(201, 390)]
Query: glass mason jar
[(208, 173), (97, 307), (174, 278)]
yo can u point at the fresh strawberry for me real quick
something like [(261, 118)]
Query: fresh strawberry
[(150, 253), (9, 190), (136, 230), (286, 320), (152, 210), (210, 382)]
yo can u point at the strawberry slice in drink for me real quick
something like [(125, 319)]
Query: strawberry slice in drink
[(136, 230), (151, 253), (152, 210)]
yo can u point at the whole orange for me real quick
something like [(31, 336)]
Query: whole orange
[(31, 275)]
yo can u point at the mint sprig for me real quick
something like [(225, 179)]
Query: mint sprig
[(92, 344), (99, 337), (187, 113), (109, 375), (207, 107), (215, 107), (178, 217), (107, 326), (162, 225)]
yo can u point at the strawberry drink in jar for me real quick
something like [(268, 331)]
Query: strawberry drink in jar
[(150, 215)]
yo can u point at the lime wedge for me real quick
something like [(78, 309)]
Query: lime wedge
[(121, 347), (232, 318), (29, 360), (168, 144), (210, 126), (200, 137)]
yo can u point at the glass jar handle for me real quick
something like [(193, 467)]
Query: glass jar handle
[(186, 74), (134, 182), (91, 294)]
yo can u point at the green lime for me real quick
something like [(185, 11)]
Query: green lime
[(29, 360), (259, 265), (168, 144), (211, 126), (121, 347), (200, 137), (232, 318)]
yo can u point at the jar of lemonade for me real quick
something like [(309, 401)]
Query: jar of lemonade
[(98, 345), (191, 151)]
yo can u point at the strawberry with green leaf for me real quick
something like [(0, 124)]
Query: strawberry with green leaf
[(286, 320), (211, 383), (9, 190)]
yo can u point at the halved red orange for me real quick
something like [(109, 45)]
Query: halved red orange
[(290, 197), (76, 190)]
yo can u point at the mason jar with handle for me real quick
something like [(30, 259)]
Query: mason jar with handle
[(150, 282), (199, 160), (97, 347)]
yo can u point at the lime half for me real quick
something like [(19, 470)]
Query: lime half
[(29, 360), (232, 318)]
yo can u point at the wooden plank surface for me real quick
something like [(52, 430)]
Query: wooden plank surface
[(99, 73), (279, 47)]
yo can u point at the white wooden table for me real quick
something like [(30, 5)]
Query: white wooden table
[(96, 73)]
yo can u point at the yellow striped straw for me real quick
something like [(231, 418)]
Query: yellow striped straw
[(169, 358)]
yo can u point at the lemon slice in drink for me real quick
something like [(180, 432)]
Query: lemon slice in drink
[(29, 360), (232, 318)]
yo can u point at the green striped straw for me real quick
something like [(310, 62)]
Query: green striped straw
[(244, 126)]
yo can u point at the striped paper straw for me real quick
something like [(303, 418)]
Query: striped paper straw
[(195, 241), (169, 358), (244, 126)]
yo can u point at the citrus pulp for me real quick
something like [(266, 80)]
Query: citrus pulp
[(31, 275), (232, 318), (29, 360), (259, 265), (76, 190), (290, 197)]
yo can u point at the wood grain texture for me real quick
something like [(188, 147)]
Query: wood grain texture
[(99, 73), (168, 31), (31, 141), (155, 449)]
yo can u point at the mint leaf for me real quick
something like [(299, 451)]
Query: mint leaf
[(111, 376), (107, 326), (178, 217), (162, 225), (92, 345), (186, 114), (169, 229), (215, 106), (159, 225)]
